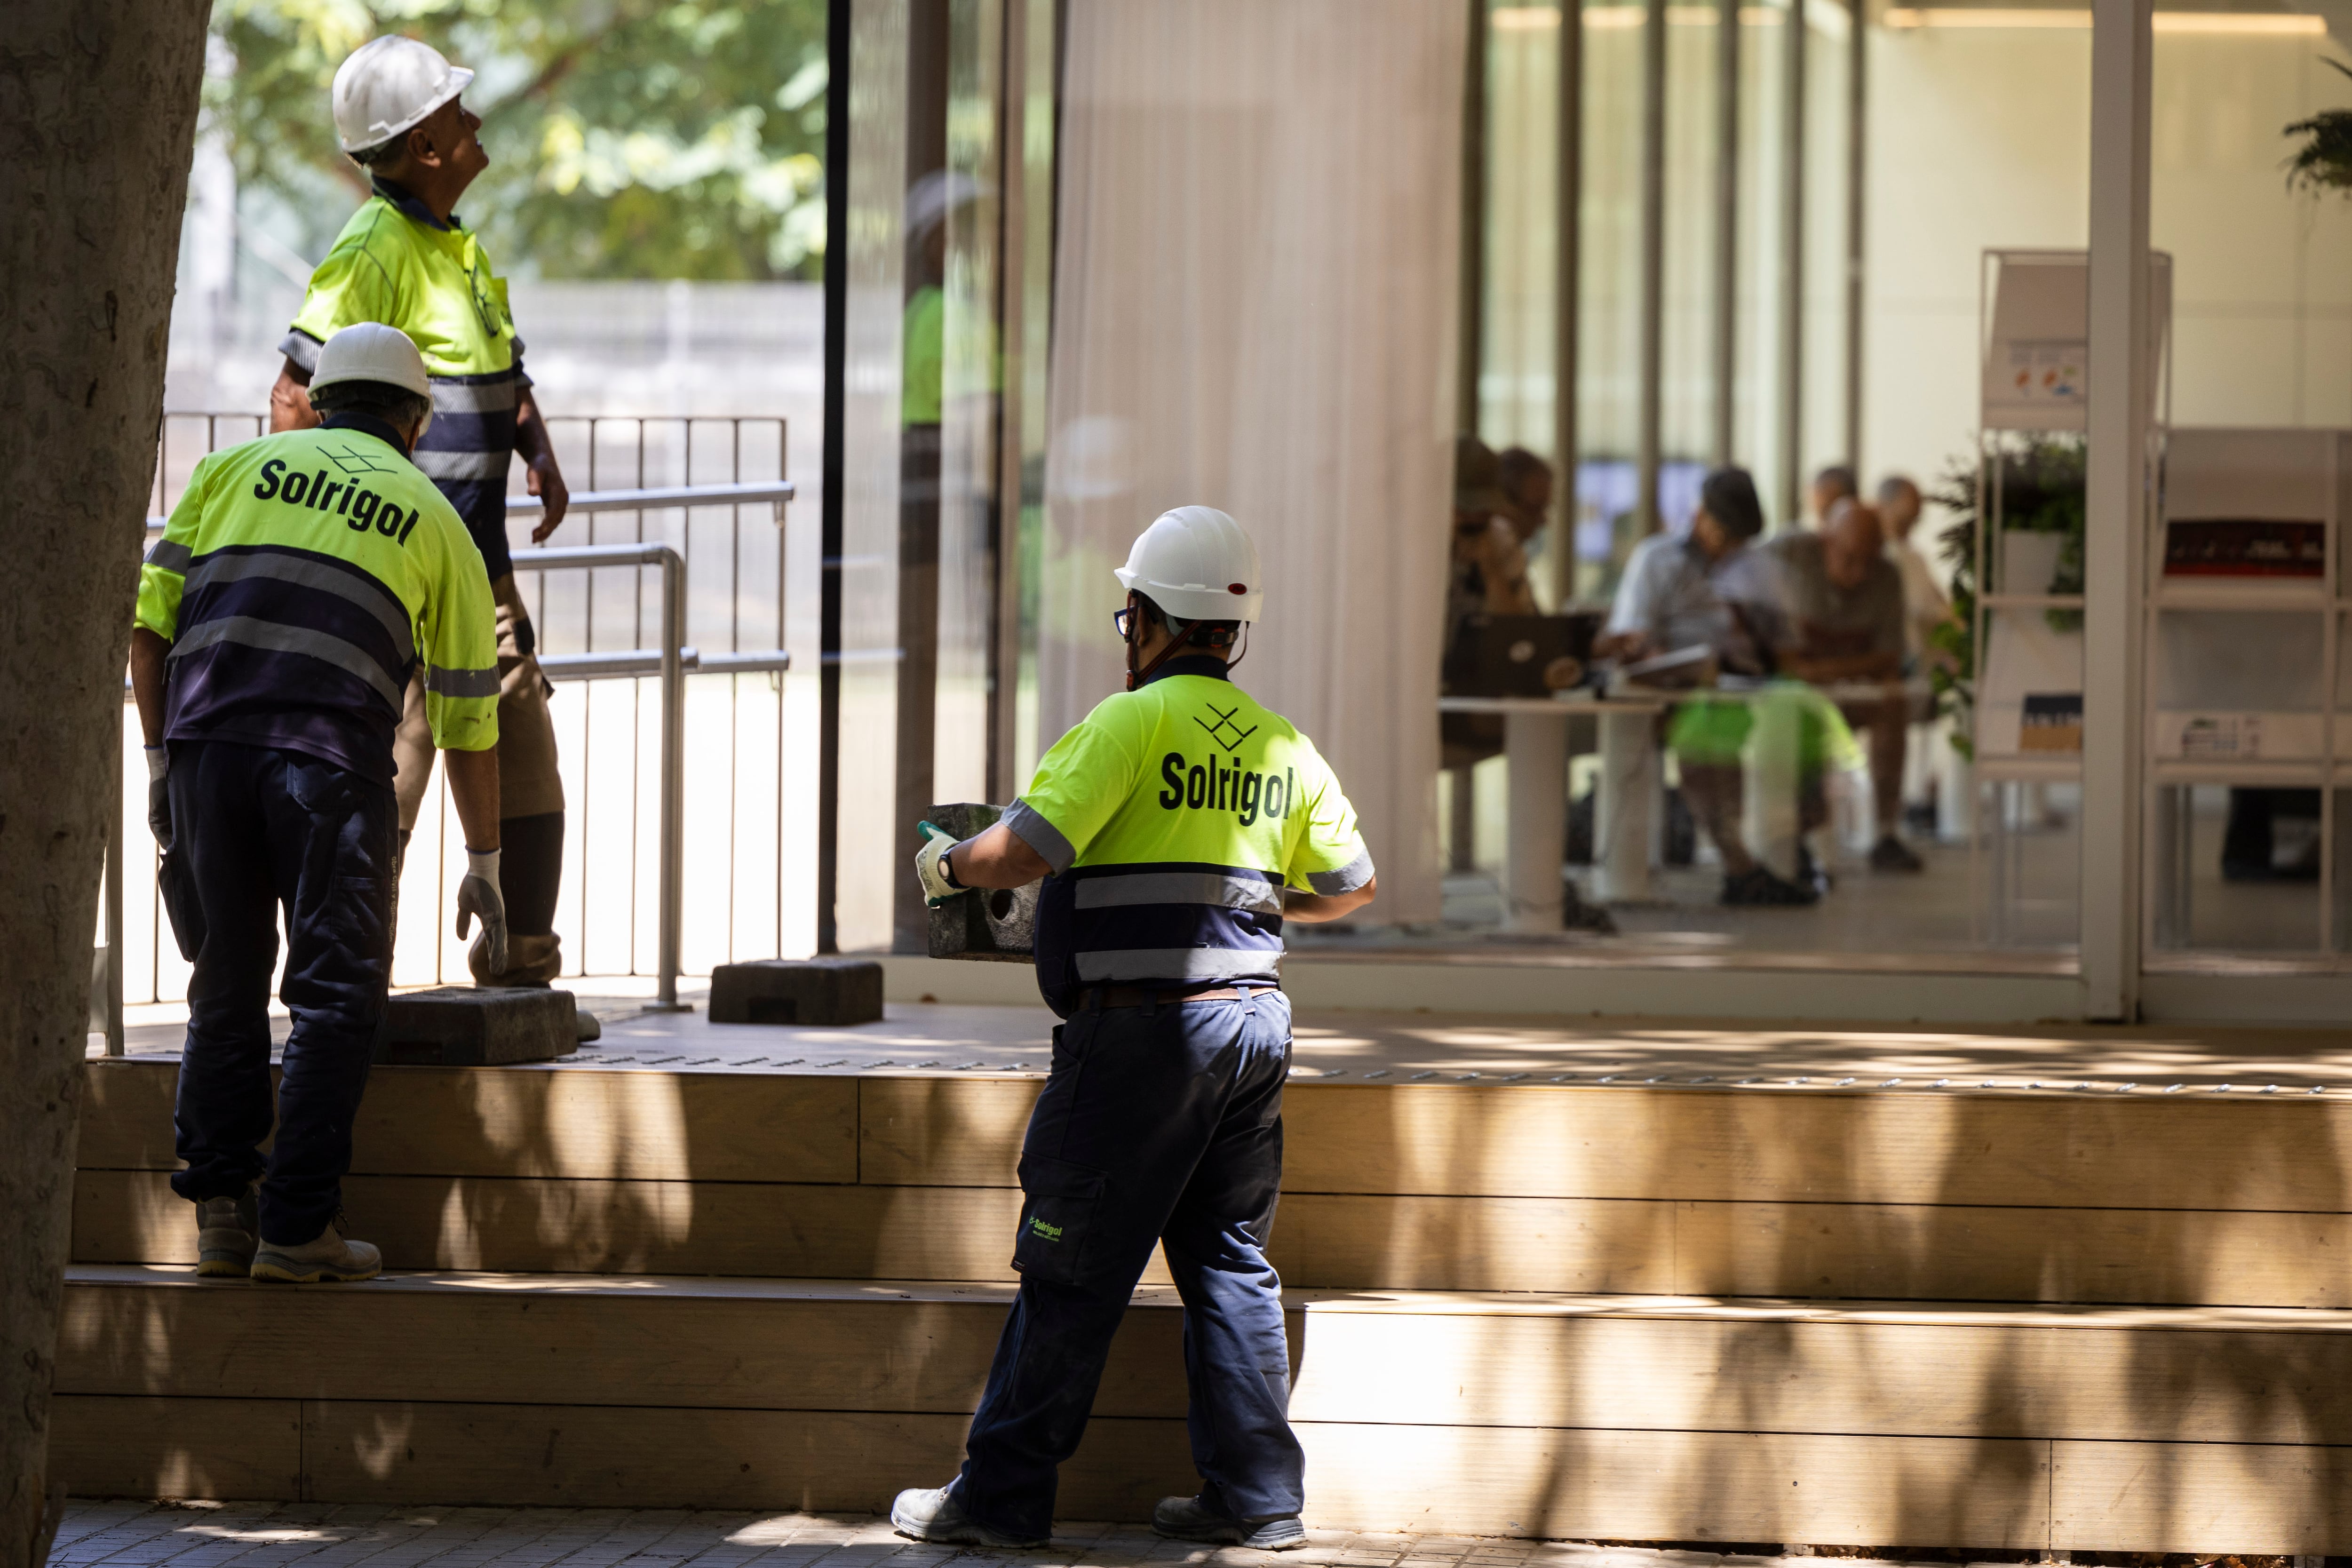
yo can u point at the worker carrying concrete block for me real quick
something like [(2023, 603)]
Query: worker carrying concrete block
[(405, 260), (1177, 827), (301, 580)]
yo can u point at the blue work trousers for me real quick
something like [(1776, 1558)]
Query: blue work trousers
[(265, 830), (1158, 1125)]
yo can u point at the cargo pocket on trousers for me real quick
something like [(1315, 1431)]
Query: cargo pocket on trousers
[(1057, 1210)]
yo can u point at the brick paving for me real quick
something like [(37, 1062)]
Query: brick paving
[(331, 1535)]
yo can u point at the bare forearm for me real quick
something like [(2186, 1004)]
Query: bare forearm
[(1314, 908), (996, 858), (148, 654), (289, 402), (531, 428), (473, 791)]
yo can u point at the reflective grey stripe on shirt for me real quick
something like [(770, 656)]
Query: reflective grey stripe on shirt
[(228, 568), (169, 556), (475, 396), (302, 349), (462, 682), (1346, 880), (461, 465), (1114, 965), (1180, 888), (1040, 834), (277, 638)]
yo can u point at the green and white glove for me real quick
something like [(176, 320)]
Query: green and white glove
[(932, 867), (159, 795)]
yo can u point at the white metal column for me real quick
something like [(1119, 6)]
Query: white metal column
[(2121, 374)]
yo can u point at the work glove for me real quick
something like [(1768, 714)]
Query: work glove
[(478, 895), (930, 865), (159, 795)]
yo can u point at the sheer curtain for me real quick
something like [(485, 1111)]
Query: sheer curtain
[(1255, 307)]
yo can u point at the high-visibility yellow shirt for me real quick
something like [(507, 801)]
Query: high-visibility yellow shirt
[(301, 580), (397, 263), (1173, 817)]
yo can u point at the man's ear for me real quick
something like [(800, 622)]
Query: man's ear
[(419, 148)]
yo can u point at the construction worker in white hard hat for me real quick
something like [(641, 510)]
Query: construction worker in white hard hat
[(1177, 827), (406, 260), (302, 580)]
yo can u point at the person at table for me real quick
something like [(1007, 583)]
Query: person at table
[(1842, 625), (1926, 608), (1489, 565), (1690, 590), (1832, 489)]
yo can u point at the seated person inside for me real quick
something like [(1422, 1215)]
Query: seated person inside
[(1692, 591), (1842, 623), (1488, 574)]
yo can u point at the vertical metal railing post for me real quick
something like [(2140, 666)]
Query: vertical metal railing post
[(673, 774)]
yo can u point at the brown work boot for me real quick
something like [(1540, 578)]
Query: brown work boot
[(532, 961), (228, 1234)]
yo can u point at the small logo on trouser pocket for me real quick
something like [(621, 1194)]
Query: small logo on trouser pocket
[(1039, 1228)]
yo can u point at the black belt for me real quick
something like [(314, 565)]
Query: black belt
[(1097, 998)]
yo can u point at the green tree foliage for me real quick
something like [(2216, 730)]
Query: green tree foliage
[(627, 138)]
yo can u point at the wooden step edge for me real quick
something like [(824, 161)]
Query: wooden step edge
[(1403, 1303)]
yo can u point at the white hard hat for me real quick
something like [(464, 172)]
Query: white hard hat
[(387, 86), (370, 350), (1196, 563)]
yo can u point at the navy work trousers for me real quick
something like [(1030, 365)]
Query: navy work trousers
[(1158, 1125), (265, 830)]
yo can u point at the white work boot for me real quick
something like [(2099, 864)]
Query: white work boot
[(226, 1236), (328, 1259), (928, 1514), (1191, 1519)]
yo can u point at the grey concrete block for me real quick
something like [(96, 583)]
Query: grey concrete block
[(470, 1026), (993, 924), (829, 992)]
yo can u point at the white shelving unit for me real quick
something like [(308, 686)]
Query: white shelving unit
[(2247, 690), (2034, 331)]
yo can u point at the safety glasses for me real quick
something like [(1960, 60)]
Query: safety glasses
[(1125, 621)]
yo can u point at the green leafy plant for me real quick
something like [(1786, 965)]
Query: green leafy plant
[(2040, 481), (627, 138), (2323, 162)]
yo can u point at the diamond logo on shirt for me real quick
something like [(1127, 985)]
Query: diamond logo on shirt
[(354, 462), (1224, 722)]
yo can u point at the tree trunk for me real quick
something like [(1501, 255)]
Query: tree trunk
[(98, 114)]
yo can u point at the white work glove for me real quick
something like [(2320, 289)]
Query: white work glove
[(930, 865), (478, 895)]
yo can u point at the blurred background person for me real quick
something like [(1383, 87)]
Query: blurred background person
[(1925, 606), (1696, 591), (1831, 487), (1526, 483), (1842, 624)]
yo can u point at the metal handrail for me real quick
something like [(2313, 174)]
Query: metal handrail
[(672, 669), (774, 492), (670, 662)]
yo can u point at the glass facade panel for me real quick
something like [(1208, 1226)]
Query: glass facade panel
[(2246, 585)]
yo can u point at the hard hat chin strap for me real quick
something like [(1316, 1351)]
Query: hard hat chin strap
[(1218, 638), (1135, 677)]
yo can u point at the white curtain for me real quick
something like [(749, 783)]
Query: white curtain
[(1254, 308)]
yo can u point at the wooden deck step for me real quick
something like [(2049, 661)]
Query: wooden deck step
[(1612, 1417), (1520, 1188)]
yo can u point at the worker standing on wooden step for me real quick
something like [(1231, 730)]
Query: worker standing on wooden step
[(405, 260), (1178, 826), (300, 581)]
